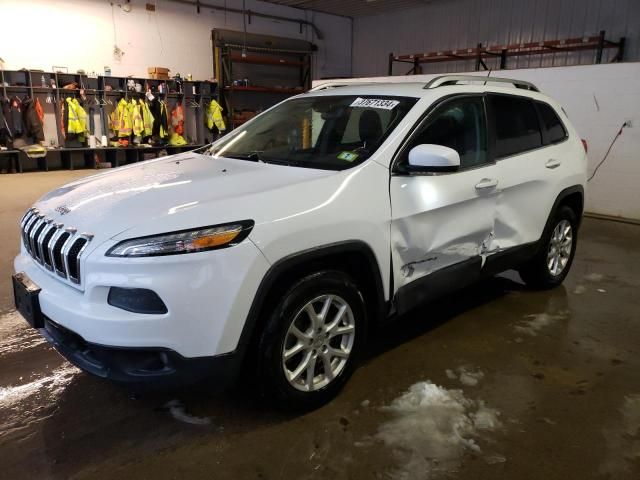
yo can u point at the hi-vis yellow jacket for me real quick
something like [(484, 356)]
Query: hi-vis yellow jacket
[(214, 116), (147, 118), (122, 123), (77, 118), (136, 118)]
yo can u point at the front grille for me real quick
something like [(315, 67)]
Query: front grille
[(51, 245)]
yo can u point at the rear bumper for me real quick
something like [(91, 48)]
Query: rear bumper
[(157, 368)]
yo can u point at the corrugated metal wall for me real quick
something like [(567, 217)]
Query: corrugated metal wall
[(451, 24)]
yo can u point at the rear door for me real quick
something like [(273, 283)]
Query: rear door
[(529, 159), (442, 222)]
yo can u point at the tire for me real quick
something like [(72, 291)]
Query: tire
[(542, 271), (280, 379)]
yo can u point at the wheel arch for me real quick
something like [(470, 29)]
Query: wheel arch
[(573, 197), (354, 257)]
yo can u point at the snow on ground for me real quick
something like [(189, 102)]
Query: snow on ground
[(533, 324), (178, 411), (50, 385), (466, 375), (432, 428)]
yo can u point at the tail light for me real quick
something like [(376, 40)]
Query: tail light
[(584, 144)]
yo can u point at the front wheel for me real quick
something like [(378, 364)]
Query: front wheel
[(311, 343), (551, 264)]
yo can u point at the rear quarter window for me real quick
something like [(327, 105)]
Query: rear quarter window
[(552, 123), (516, 125)]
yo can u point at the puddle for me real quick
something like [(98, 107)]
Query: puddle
[(16, 335), (594, 277), (580, 289), (623, 441), (533, 324), (432, 428), (51, 385), (21, 405)]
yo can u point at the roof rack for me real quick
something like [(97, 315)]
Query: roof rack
[(336, 84), (444, 80)]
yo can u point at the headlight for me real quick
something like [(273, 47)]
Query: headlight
[(184, 241)]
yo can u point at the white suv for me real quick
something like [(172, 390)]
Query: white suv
[(289, 238)]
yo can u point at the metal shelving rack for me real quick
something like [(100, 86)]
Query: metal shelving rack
[(282, 68), (480, 53), (198, 92)]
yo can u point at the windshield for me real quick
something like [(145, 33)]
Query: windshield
[(327, 132)]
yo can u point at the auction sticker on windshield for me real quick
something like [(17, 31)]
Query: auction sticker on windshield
[(375, 103)]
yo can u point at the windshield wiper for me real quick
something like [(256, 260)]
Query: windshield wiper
[(252, 156)]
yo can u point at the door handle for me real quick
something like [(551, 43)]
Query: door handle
[(486, 183), (553, 163)]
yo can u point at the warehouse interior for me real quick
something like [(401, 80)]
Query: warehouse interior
[(496, 380)]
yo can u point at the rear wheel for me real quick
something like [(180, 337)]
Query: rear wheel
[(311, 343), (551, 264)]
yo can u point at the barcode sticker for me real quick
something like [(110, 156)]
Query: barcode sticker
[(375, 103)]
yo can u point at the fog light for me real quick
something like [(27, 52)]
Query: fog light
[(137, 300)]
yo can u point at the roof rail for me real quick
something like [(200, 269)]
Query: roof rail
[(455, 79), (335, 84)]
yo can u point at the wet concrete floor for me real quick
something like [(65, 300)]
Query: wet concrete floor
[(532, 385)]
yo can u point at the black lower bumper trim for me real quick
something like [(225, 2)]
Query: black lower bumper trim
[(153, 367)]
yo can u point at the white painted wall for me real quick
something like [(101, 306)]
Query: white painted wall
[(598, 99), (79, 34)]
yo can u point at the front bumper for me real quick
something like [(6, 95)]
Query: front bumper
[(207, 295), (141, 367)]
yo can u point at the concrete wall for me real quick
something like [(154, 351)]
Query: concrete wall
[(451, 24), (598, 100), (80, 34)]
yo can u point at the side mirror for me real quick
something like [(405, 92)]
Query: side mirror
[(434, 158)]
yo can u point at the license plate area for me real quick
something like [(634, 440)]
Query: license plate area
[(25, 294)]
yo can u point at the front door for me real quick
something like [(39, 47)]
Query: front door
[(442, 222)]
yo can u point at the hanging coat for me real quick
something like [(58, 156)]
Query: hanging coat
[(147, 118), (137, 126), (160, 118), (123, 119), (31, 120), (76, 119), (177, 119), (16, 118), (214, 117), (6, 128)]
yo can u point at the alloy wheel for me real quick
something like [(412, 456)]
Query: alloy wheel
[(560, 248), (318, 343)]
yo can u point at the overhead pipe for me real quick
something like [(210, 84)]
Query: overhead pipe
[(199, 4)]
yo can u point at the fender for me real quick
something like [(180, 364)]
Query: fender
[(564, 194), (298, 260)]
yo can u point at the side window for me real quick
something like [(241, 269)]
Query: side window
[(553, 125), (516, 125), (459, 124)]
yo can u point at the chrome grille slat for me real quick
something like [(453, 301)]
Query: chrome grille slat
[(35, 231), (43, 249), (56, 248), (52, 244), (27, 231), (61, 264)]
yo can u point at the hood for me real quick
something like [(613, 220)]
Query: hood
[(172, 193)]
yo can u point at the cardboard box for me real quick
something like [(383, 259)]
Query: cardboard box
[(159, 76), (158, 70)]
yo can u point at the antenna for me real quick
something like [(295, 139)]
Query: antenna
[(488, 75)]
